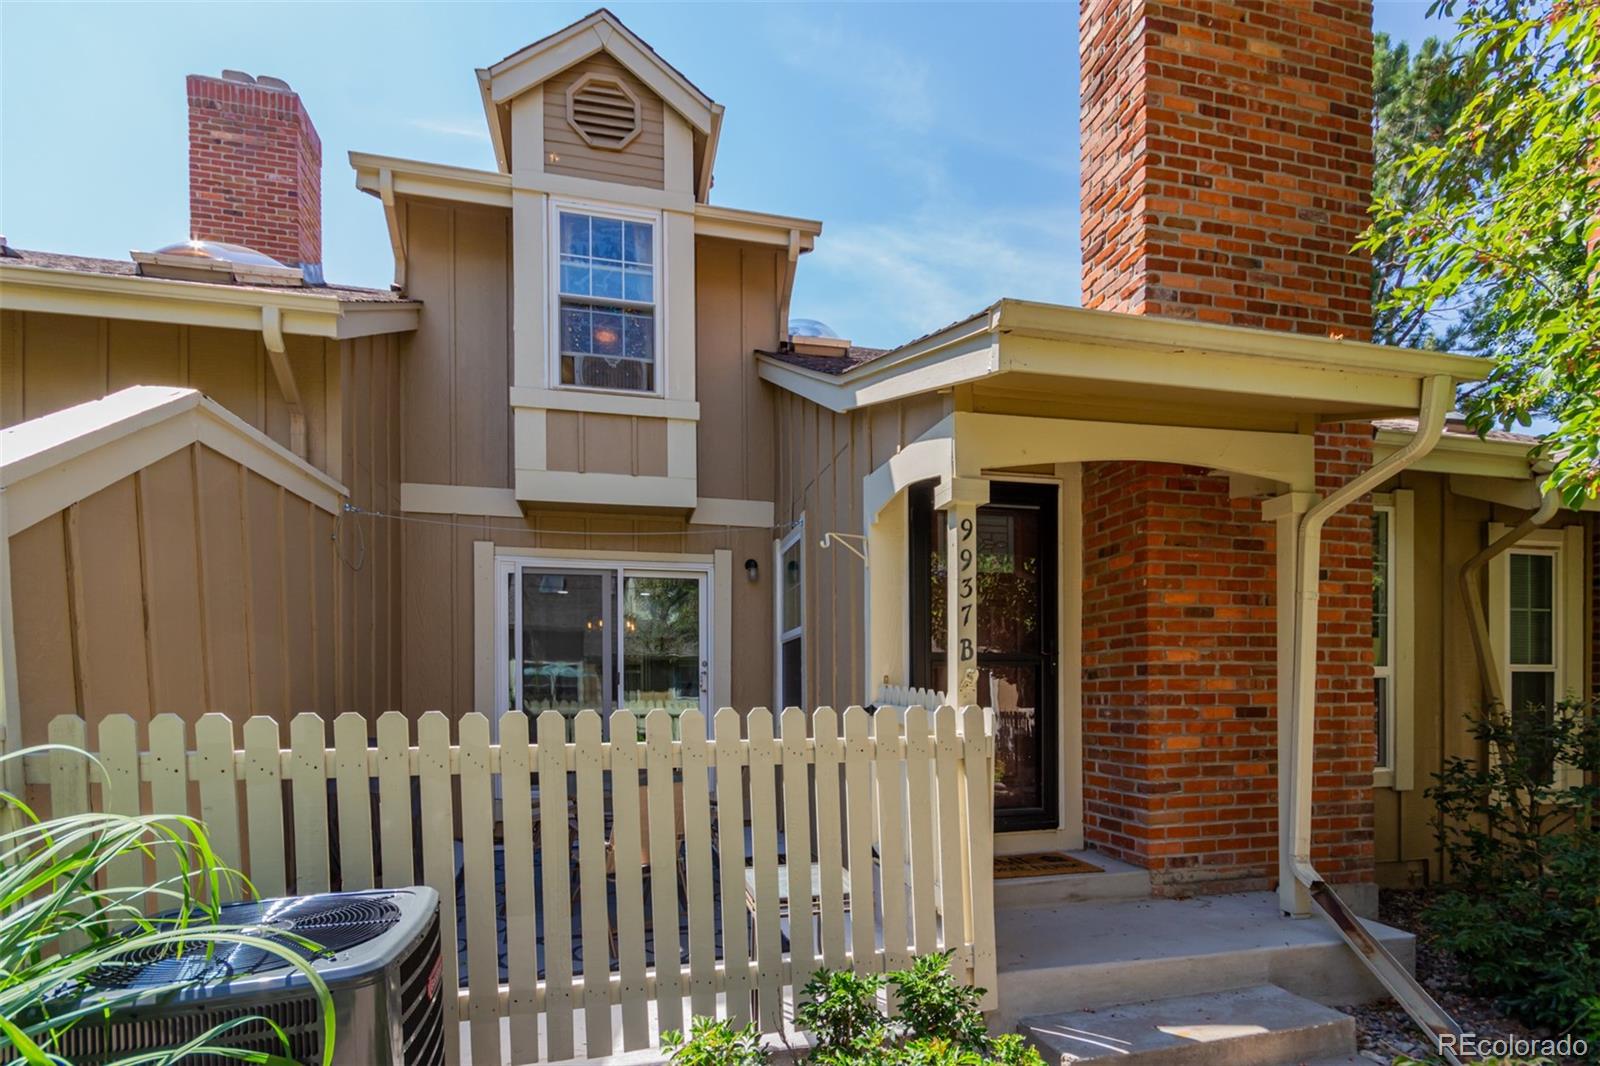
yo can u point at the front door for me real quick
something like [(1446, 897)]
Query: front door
[(1017, 670)]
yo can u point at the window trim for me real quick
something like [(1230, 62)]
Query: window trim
[(507, 562), (1386, 670), (1566, 546), (780, 546), (1400, 774), (552, 293)]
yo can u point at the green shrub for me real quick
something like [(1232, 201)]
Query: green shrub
[(937, 1022), (59, 924), (715, 1043), (1522, 915)]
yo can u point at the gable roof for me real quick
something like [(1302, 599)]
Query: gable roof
[(531, 66), (55, 460)]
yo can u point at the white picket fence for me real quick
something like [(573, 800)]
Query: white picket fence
[(907, 696), (730, 810)]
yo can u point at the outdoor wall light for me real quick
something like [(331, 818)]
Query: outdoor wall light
[(752, 570)]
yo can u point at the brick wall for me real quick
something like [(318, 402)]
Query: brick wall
[(1227, 159), (255, 169), (1226, 173), (1180, 684)]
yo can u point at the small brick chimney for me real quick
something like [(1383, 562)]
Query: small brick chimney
[(1227, 169), (255, 168), (1227, 161)]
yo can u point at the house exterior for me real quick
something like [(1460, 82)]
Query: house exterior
[(576, 457)]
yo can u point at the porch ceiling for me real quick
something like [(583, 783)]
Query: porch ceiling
[(1053, 361)]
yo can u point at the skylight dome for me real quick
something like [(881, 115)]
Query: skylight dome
[(216, 261), (237, 254), (810, 327)]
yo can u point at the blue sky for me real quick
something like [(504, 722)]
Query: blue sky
[(938, 143)]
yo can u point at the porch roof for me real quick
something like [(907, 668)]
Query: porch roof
[(1020, 357)]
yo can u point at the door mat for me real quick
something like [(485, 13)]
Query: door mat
[(1041, 864)]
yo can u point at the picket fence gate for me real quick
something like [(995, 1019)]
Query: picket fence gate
[(607, 801)]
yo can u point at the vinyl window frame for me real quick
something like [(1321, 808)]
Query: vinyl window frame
[(1566, 547), (1400, 772), (508, 613), (658, 283), (795, 538)]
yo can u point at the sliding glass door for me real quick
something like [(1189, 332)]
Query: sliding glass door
[(602, 637)]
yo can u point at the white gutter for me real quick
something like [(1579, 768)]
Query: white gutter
[(1549, 504)]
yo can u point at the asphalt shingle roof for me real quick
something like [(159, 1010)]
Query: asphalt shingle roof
[(83, 264)]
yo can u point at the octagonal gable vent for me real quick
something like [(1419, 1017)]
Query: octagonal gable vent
[(605, 112)]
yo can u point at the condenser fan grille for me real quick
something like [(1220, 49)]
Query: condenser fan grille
[(334, 924)]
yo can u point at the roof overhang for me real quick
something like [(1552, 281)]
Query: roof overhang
[(388, 177), (55, 460), (521, 71), (67, 292), (1457, 453), (1023, 357)]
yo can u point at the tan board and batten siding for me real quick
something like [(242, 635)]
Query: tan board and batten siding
[(193, 585), (455, 373), (196, 584), (641, 162), (820, 473), (1448, 530), (49, 362)]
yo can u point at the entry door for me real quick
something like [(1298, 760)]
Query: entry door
[(1017, 605), (579, 637)]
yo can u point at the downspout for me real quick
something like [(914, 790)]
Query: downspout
[(1438, 395), (1549, 504)]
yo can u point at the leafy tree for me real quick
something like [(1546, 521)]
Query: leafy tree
[(1416, 96), (1506, 221)]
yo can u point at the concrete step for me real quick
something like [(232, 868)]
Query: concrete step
[(1119, 880), (1263, 1025), (1083, 956)]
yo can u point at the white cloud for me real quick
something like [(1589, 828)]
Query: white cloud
[(452, 128), (883, 283)]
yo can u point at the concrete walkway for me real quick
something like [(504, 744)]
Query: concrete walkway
[(1079, 956)]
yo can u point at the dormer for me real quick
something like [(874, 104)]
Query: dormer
[(593, 101), (608, 150)]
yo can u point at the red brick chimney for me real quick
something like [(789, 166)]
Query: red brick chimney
[(1226, 169), (1227, 160), (255, 168)]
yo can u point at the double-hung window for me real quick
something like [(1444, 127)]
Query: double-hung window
[(608, 299), (1383, 643), (1394, 648), (1531, 629), (1536, 604), (1531, 639)]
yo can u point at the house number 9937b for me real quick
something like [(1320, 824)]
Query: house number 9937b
[(966, 558)]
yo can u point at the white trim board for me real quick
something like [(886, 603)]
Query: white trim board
[(56, 460), (493, 502), (612, 490)]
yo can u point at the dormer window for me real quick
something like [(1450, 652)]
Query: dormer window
[(607, 295)]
